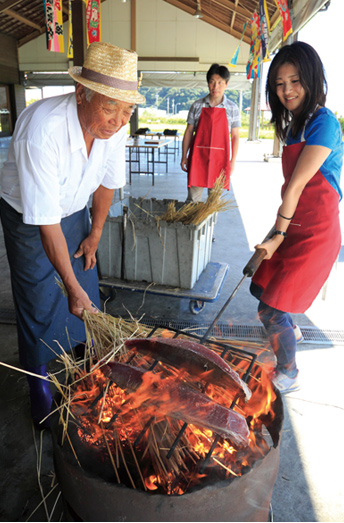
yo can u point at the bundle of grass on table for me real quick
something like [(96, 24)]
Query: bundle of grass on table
[(195, 213)]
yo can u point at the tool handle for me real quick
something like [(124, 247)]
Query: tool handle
[(257, 258), (254, 262)]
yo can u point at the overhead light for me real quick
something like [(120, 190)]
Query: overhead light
[(124, 1), (198, 12)]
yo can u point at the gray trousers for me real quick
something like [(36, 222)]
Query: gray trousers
[(195, 194)]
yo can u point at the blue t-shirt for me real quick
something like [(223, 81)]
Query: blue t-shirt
[(324, 129)]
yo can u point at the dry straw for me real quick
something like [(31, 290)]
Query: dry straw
[(196, 213)]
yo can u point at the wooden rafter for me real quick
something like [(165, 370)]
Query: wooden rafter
[(21, 19), (31, 36), (8, 5), (232, 6), (212, 21), (234, 14)]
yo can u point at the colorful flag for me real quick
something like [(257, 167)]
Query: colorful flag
[(253, 64), (286, 21), (264, 29), (93, 22), (54, 25), (233, 60)]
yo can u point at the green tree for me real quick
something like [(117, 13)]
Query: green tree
[(181, 99)]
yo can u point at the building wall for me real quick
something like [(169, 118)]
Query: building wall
[(162, 30), (9, 73), (9, 77)]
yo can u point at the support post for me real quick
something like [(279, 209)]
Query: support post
[(79, 31), (252, 131)]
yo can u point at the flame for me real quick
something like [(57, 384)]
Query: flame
[(262, 396), (151, 482), (139, 426)]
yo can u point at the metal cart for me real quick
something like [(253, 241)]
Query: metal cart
[(206, 289)]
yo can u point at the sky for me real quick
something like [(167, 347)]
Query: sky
[(325, 33)]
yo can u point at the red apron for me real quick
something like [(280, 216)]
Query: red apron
[(210, 149), (295, 274)]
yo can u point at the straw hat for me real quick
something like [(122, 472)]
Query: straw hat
[(111, 71)]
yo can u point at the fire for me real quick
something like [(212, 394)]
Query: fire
[(151, 482), (141, 434)]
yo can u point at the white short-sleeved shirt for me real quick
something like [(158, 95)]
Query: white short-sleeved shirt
[(48, 174), (232, 111)]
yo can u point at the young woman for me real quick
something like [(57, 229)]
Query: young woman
[(307, 237)]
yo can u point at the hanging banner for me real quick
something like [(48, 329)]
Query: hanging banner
[(54, 25), (70, 31), (264, 30), (93, 22), (234, 59), (286, 21), (253, 64)]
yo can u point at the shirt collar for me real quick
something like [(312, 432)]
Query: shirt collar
[(222, 104)]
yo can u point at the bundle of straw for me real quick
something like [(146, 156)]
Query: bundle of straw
[(195, 213), (107, 334)]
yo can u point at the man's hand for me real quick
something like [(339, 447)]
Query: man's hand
[(78, 301), (88, 248), (101, 202), (184, 164), (186, 146)]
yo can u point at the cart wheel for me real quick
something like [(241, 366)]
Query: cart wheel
[(196, 306), (107, 293)]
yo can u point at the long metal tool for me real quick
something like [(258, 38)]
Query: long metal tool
[(249, 270)]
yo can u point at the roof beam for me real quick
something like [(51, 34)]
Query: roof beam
[(234, 8), (224, 3), (8, 5), (225, 28), (181, 6), (215, 23), (21, 19), (233, 17), (30, 37)]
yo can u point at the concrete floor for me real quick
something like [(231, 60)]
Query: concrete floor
[(309, 486)]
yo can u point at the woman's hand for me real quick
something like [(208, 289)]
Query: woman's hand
[(270, 245)]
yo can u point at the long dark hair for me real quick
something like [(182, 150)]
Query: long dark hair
[(312, 78)]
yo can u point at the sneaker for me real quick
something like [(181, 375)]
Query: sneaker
[(298, 334), (285, 384)]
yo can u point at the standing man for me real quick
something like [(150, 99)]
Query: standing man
[(207, 149), (64, 149)]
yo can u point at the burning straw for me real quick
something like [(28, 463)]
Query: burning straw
[(128, 429)]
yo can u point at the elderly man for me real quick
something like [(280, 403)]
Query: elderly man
[(64, 149)]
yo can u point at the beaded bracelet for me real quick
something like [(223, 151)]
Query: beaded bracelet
[(284, 217), (281, 233)]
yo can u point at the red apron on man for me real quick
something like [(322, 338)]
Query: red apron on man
[(295, 274), (209, 154)]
